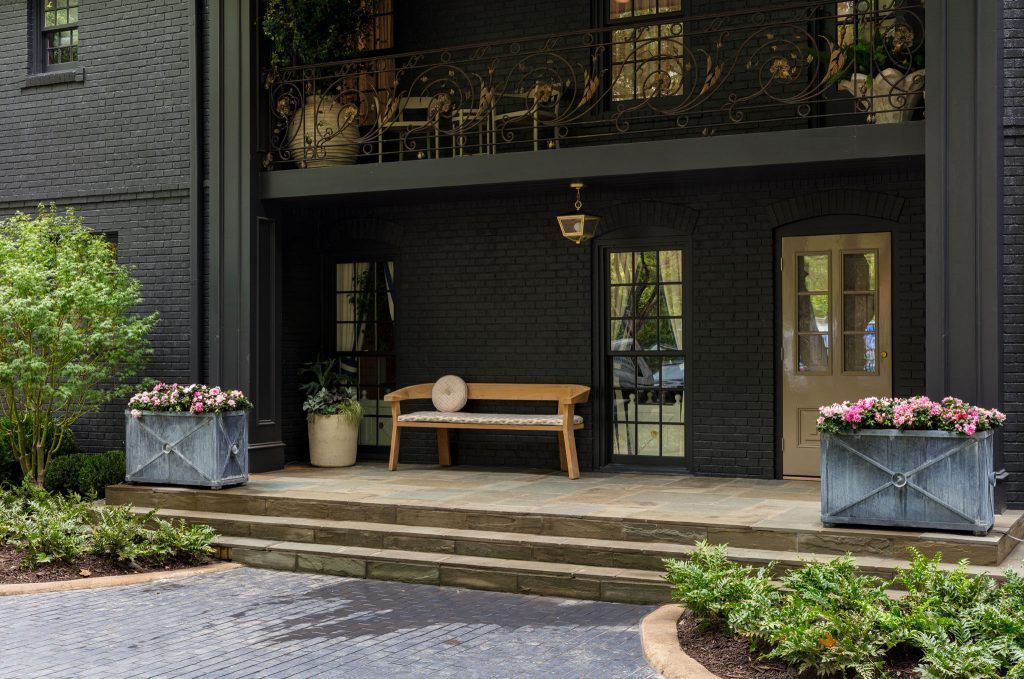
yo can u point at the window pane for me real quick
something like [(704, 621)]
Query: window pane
[(647, 267), (812, 313), (672, 405), (671, 266), (618, 9), (812, 353), (621, 335), (859, 271), (812, 273), (621, 267), (50, 19), (670, 377), (859, 352), (671, 335), (670, 5), (647, 334), (859, 313), (672, 441), (619, 301)]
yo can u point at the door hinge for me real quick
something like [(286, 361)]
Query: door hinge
[(782, 441), (782, 263)]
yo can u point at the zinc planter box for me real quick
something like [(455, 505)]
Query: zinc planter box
[(908, 479), (187, 449)]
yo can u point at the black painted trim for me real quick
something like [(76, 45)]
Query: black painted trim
[(725, 152)]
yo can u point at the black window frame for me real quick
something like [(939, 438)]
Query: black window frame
[(40, 33), (610, 24)]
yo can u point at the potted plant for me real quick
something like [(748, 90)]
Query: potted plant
[(882, 66), (187, 435), (908, 462), (332, 416), (324, 117)]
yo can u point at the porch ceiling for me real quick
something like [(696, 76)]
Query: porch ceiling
[(848, 144)]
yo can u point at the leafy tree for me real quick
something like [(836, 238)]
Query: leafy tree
[(69, 339)]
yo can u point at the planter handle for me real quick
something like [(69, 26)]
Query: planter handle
[(996, 477)]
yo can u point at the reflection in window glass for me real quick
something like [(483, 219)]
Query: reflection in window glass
[(365, 340), (813, 312), (860, 320), (647, 348)]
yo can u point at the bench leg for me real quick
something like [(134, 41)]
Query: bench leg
[(444, 454), (393, 459), (561, 453), (571, 461)]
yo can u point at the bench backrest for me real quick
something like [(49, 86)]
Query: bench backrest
[(486, 391)]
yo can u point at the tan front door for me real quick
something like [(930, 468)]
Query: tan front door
[(836, 333)]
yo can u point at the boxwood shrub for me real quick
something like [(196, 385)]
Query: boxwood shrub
[(86, 474)]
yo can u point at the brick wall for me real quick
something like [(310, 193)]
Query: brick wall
[(1013, 245), (116, 147), (489, 290)]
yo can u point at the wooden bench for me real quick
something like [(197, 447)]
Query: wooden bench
[(565, 422)]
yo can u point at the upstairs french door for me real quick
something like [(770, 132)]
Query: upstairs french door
[(645, 356)]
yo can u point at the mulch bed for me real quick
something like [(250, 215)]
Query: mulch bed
[(730, 658), (87, 566)]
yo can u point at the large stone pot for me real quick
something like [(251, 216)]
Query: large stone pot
[(187, 449), (909, 479), (333, 440), (324, 132), (890, 97)]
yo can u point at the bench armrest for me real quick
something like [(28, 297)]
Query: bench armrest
[(409, 393), (576, 395)]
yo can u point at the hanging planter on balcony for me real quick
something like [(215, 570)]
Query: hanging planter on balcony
[(909, 463), (190, 435)]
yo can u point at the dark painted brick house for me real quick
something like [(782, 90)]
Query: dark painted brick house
[(466, 125)]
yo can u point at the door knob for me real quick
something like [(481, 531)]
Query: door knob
[(884, 354)]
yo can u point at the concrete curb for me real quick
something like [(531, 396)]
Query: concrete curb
[(661, 646), (112, 580)]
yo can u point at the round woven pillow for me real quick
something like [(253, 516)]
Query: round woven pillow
[(449, 394)]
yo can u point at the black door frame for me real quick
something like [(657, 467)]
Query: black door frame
[(825, 225), (646, 238)]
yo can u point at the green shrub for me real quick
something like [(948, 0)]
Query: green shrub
[(87, 475), (51, 527), (47, 527), (827, 619), (124, 535)]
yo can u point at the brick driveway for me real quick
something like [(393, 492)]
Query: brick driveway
[(256, 623)]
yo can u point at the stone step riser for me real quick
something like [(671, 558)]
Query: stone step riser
[(877, 544), (470, 576), (562, 554)]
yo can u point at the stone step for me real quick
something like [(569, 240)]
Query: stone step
[(507, 546), (779, 536), (597, 583)]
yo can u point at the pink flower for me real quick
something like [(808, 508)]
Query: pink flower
[(197, 407), (136, 414)]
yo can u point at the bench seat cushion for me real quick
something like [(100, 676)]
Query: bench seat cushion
[(486, 418)]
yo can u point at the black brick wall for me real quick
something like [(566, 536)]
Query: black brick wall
[(116, 148), (1013, 245), (489, 290)]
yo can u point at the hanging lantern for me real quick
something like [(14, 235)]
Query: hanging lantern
[(578, 227)]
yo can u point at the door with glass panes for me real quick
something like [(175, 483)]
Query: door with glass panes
[(364, 342), (645, 355), (836, 333)]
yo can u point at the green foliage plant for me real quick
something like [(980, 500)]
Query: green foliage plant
[(826, 619), (49, 527), (328, 392), (70, 336), (305, 32)]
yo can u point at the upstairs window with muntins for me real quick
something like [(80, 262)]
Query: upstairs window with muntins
[(647, 48), (57, 33)]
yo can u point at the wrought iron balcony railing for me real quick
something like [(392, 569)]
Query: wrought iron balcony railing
[(783, 66)]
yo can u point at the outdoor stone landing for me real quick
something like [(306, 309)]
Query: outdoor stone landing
[(603, 536)]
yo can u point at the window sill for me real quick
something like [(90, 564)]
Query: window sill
[(71, 75)]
